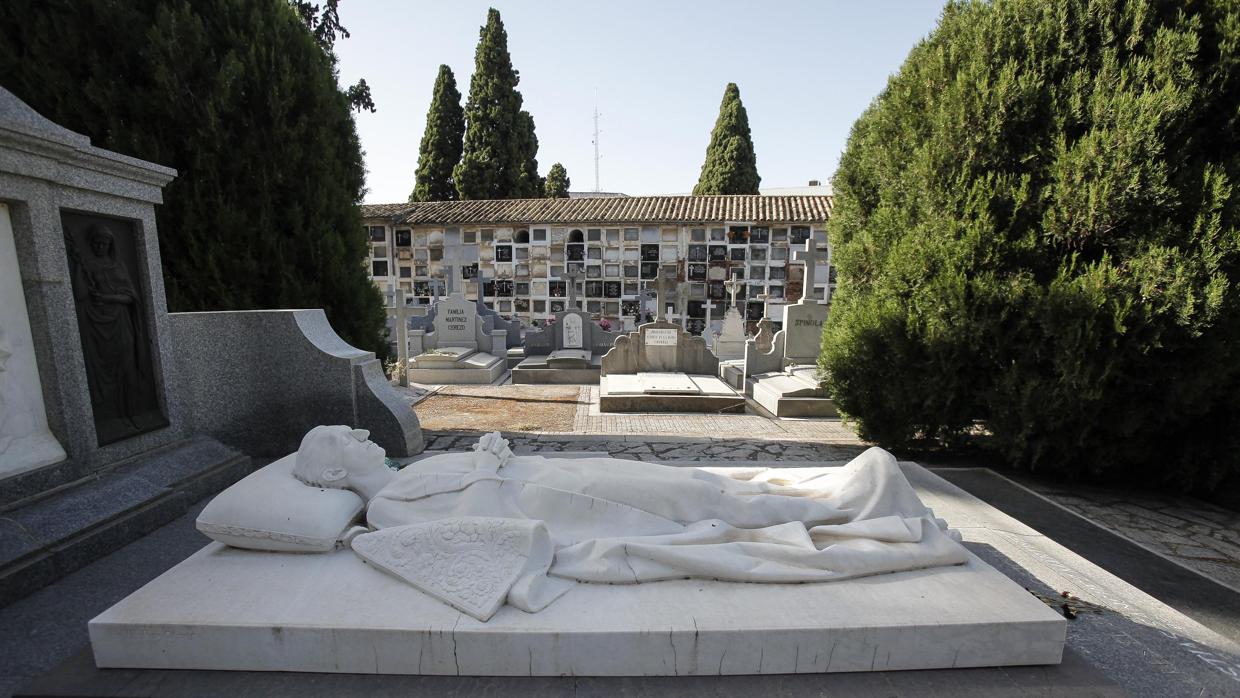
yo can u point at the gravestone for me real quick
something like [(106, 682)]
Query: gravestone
[(568, 350), (570, 331), (456, 322), (731, 342), (492, 321), (784, 378), (660, 367), (400, 312), (458, 349)]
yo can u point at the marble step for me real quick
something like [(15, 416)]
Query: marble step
[(43, 539)]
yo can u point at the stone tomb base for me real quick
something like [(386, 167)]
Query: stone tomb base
[(564, 367), (733, 374), (794, 392), (456, 366), (243, 610), (667, 392)]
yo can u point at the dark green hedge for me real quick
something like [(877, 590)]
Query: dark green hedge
[(242, 100), (1035, 227)]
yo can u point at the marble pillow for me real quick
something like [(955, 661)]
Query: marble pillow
[(272, 510)]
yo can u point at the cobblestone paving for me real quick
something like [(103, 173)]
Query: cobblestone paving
[(655, 448), (1194, 533)]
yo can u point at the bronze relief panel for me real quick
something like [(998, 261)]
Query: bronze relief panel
[(113, 317)]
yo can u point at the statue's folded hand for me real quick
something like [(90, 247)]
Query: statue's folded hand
[(492, 452)]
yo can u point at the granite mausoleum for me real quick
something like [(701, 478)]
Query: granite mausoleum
[(117, 415)]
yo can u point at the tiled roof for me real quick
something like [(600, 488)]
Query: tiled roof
[(634, 209), (383, 210)]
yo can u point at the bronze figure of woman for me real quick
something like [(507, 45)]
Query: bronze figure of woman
[(114, 342)]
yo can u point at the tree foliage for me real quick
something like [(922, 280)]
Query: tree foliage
[(324, 24), (1035, 227), (529, 184), (557, 182), (500, 148), (441, 142), (240, 96), (731, 167)]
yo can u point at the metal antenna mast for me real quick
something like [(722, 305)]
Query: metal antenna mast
[(596, 155)]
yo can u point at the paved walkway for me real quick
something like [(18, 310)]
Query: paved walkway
[(546, 410), (1194, 533)]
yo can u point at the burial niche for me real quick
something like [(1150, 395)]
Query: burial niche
[(113, 323)]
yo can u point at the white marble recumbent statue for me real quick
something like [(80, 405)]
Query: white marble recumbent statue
[(478, 529)]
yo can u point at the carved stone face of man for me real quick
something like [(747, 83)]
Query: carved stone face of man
[(342, 458)]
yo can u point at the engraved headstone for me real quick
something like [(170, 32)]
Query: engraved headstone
[(661, 337), (571, 329), (456, 322), (803, 331)]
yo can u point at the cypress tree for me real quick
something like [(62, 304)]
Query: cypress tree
[(242, 99), (731, 167), (529, 184), (557, 182), (441, 142), (499, 148), (1037, 231)]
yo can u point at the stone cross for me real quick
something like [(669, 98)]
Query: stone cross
[(400, 312), (764, 297), (682, 305), (573, 277), (642, 296), (811, 255), (436, 284), (708, 333), (663, 287), (452, 268), (734, 285), (482, 279)]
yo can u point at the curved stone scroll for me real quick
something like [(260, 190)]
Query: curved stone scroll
[(759, 361), (258, 380)]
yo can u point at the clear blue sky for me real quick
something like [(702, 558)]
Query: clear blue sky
[(656, 70)]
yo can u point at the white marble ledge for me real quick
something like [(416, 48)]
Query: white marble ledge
[(241, 610)]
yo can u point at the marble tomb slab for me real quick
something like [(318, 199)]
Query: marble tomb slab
[(667, 383), (689, 393), (232, 609), (442, 357), (479, 360), (569, 358)]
